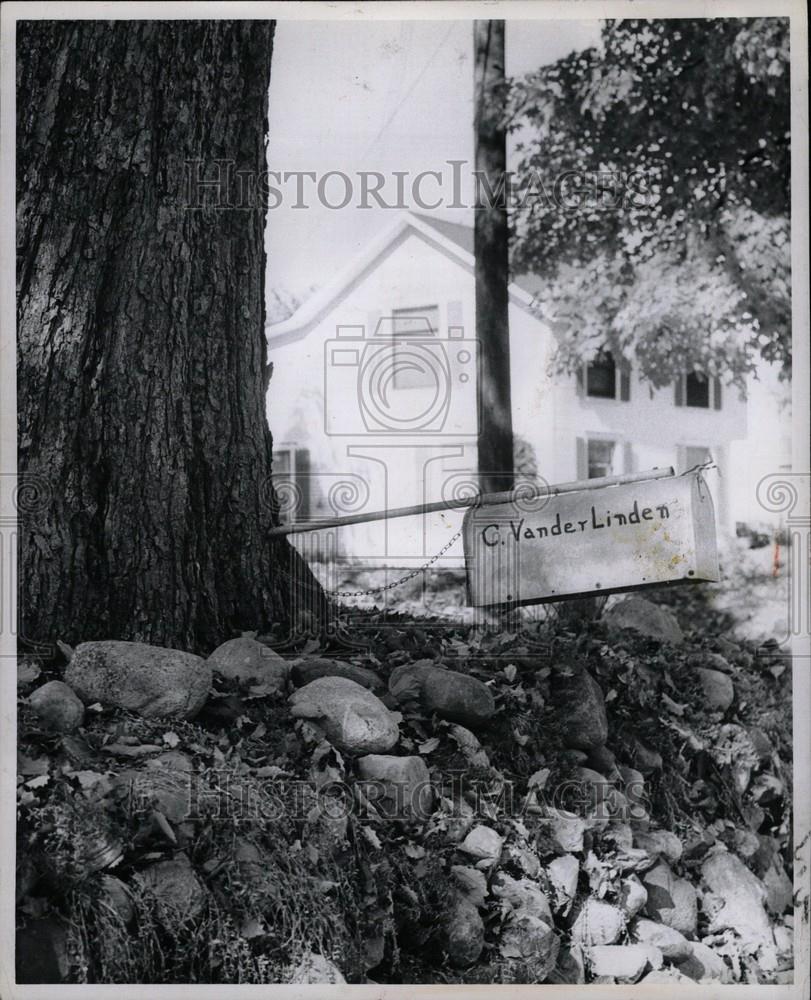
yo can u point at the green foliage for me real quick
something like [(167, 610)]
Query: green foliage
[(655, 195)]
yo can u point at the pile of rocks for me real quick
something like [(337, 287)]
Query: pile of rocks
[(593, 894)]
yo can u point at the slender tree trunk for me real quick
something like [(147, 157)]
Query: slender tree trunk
[(491, 250), (141, 335)]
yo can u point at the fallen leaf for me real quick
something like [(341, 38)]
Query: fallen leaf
[(372, 837), (40, 781), (252, 928), (539, 779), (171, 739), (27, 673), (28, 766), (163, 825), (414, 851), (120, 750), (428, 746)]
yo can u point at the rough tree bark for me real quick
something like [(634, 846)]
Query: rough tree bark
[(141, 335)]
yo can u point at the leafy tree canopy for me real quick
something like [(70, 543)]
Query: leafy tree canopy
[(654, 197)]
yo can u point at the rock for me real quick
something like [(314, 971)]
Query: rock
[(472, 883), (179, 894), (399, 787), (767, 789), (631, 777), (116, 897), (746, 844), (664, 976), (597, 922), (710, 661), (761, 743), (659, 843), (315, 969), (784, 939), (458, 697), (740, 897), (728, 649), (41, 952), (311, 669), (625, 962), (522, 894), (452, 695), (671, 900), (246, 660), (602, 799), (563, 873), (672, 944), (603, 760), (405, 681), (569, 969), (483, 843), (168, 791), (704, 965), (646, 618), (531, 943), (352, 718), (584, 724), (528, 936), (459, 822), (57, 707), (779, 888), (465, 934), (172, 760), (647, 760), (719, 692), (566, 830), (633, 896), (152, 681)]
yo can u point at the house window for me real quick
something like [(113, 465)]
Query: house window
[(605, 378), (291, 483), (600, 458), (418, 323), (697, 389), (601, 376)]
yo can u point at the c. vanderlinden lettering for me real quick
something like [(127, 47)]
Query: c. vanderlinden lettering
[(520, 530)]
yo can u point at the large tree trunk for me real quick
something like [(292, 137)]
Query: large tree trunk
[(141, 335)]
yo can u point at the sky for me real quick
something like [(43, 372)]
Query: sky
[(376, 96)]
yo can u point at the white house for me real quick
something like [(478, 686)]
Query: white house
[(373, 403)]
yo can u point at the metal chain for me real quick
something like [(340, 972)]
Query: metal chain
[(402, 580)]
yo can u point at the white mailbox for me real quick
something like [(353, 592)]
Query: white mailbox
[(594, 541)]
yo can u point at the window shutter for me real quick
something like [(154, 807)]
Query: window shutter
[(716, 396), (680, 388), (625, 381), (580, 375), (582, 459), (627, 457), (302, 467)]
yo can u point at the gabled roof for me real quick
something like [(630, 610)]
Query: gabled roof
[(450, 238)]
